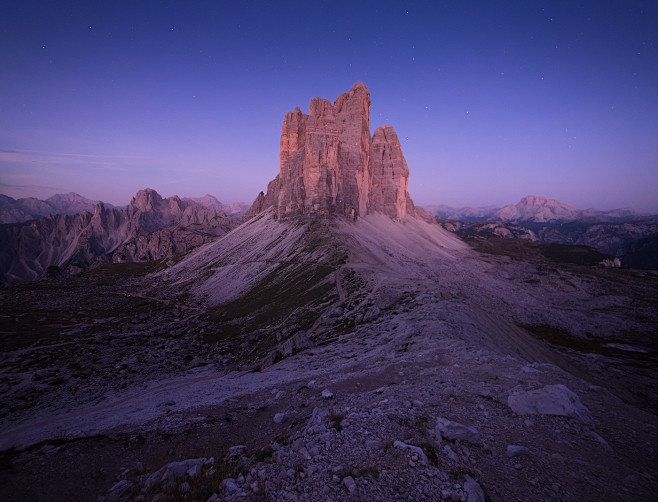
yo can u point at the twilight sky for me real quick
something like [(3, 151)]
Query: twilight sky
[(491, 100)]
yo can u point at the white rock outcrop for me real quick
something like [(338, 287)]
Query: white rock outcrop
[(453, 431), (549, 400)]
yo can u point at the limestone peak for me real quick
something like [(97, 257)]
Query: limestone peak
[(330, 165)]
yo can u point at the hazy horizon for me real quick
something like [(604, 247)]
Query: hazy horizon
[(491, 102), (47, 193)]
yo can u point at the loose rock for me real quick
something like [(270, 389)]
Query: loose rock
[(549, 400), (453, 431), (350, 484), (473, 490)]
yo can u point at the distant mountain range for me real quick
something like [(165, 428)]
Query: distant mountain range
[(623, 233), (30, 208), (235, 209), (534, 209), (68, 233), (148, 228)]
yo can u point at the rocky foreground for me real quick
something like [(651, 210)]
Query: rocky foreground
[(442, 374)]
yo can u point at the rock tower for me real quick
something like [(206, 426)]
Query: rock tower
[(329, 164)]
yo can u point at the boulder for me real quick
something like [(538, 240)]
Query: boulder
[(175, 471), (350, 484), (414, 449), (473, 490), (550, 400), (453, 431)]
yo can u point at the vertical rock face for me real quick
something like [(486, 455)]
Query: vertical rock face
[(327, 165), (353, 113), (389, 174), (149, 228)]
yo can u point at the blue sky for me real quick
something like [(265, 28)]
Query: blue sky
[(491, 100)]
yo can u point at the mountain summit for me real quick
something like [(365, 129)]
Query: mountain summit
[(329, 164)]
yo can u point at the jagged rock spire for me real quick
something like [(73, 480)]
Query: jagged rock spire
[(329, 164)]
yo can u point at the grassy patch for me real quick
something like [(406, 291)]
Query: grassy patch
[(521, 249), (369, 471), (336, 420), (430, 452), (588, 344), (264, 454), (459, 473)]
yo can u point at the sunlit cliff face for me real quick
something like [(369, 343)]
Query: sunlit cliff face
[(329, 164)]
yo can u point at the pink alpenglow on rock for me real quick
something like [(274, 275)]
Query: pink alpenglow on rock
[(329, 164), (389, 175)]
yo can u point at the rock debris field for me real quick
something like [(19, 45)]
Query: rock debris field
[(417, 370)]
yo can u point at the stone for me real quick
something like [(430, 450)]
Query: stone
[(372, 314), (336, 312), (236, 450), (327, 394), (451, 454), (230, 485), (299, 341), (117, 490), (604, 444), (174, 471), (473, 490), (297, 444), (453, 431), (279, 418), (350, 484), (316, 424), (329, 164), (515, 451), (194, 470), (415, 450), (550, 400), (303, 452)]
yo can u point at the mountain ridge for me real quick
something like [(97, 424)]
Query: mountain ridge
[(621, 233), (148, 228), (536, 209), (30, 208)]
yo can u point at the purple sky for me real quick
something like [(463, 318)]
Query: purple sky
[(491, 100)]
